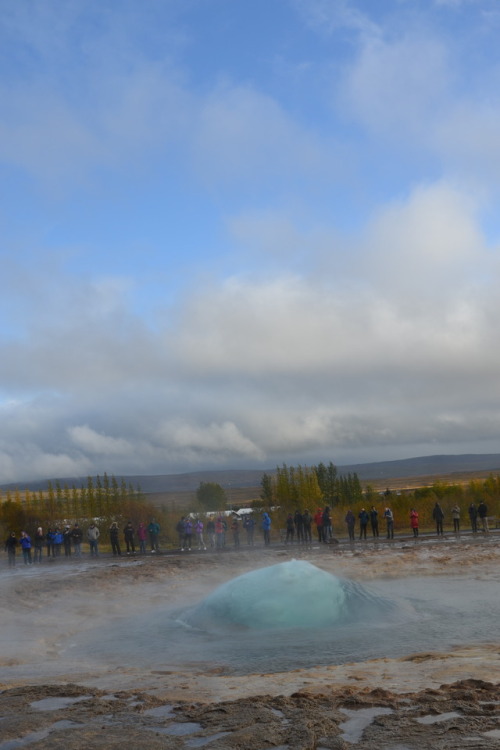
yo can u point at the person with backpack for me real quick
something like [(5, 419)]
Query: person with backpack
[(154, 533)]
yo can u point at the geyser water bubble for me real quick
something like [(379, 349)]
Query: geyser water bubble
[(292, 594)]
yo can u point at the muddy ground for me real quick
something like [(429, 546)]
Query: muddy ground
[(422, 700)]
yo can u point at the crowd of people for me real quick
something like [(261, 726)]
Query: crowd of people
[(218, 531), (478, 517), (67, 541), (193, 531)]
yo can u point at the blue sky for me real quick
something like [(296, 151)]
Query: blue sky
[(236, 234)]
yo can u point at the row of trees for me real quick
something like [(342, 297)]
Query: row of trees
[(310, 486), (98, 497)]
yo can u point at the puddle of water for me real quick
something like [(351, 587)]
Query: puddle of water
[(28, 739), (54, 704), (353, 728), (166, 711), (201, 741), (176, 729), (436, 718)]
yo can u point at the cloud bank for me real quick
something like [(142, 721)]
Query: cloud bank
[(207, 265)]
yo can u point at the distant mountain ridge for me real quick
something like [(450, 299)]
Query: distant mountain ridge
[(240, 478)]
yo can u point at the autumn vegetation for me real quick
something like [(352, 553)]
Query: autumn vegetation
[(290, 488)]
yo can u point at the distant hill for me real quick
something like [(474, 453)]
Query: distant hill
[(425, 466)]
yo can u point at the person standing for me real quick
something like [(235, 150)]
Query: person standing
[(211, 531), (10, 546), (299, 526), (114, 539), (198, 530), (58, 541), (318, 520), (350, 520), (374, 521), (266, 528), (327, 525), (49, 539), (188, 533), (93, 534), (290, 529), (154, 533), (67, 541), (249, 526), (128, 535), (38, 544), (455, 514), (180, 531), (141, 536), (307, 521), (473, 517), (414, 521), (438, 516), (389, 520), (77, 537), (235, 528), (26, 547), (363, 523), (482, 512), (219, 532)]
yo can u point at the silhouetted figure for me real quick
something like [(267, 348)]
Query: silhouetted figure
[(473, 517), (363, 523), (374, 520), (414, 521), (351, 522), (438, 516)]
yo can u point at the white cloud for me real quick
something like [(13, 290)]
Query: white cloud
[(90, 441)]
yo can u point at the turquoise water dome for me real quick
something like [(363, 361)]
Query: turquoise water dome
[(293, 594)]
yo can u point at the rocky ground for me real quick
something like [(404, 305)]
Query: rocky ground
[(423, 700)]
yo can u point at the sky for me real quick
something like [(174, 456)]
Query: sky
[(241, 233)]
